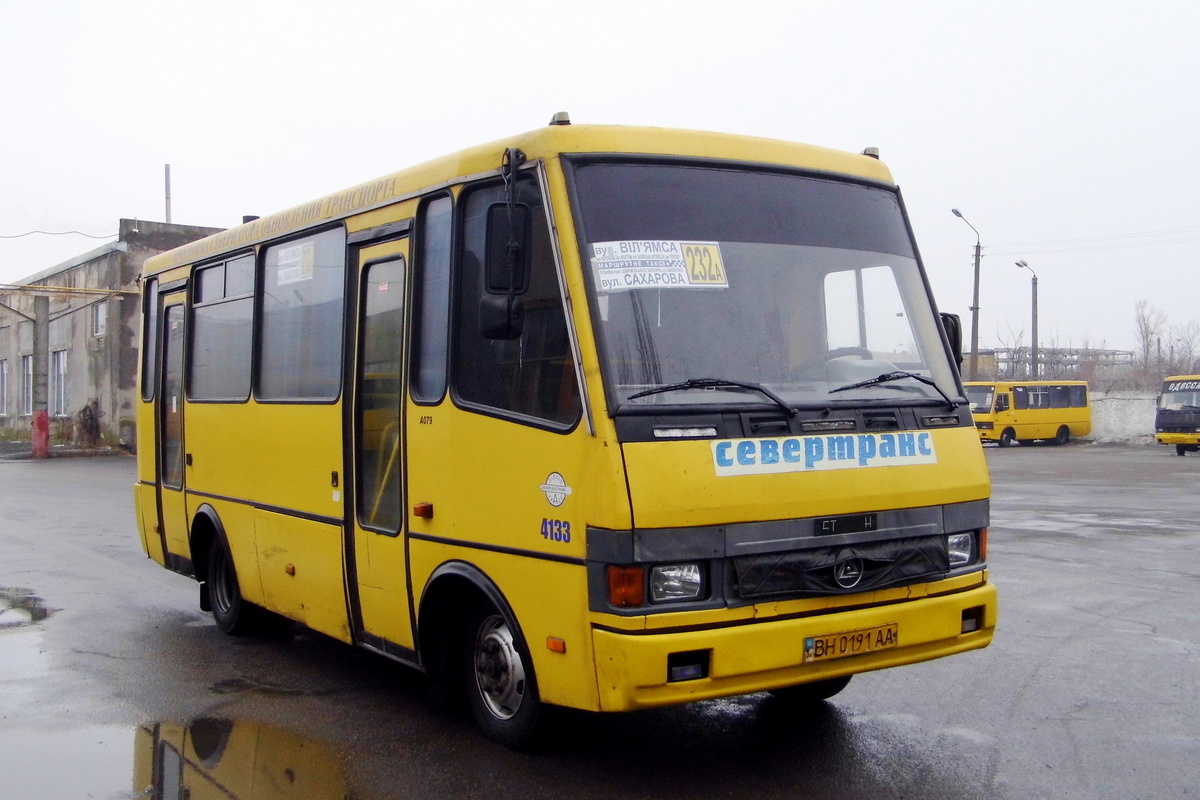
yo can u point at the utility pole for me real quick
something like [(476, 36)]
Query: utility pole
[(973, 364), (1033, 349), (40, 436)]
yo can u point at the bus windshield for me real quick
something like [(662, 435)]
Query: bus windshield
[(711, 285), (1174, 399), (980, 398)]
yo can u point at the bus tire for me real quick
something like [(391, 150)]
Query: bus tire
[(1180, 449), (1007, 437), (808, 694), (1063, 436), (233, 614), (501, 688)]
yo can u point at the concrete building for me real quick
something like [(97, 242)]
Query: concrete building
[(69, 339)]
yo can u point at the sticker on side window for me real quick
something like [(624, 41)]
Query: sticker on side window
[(658, 264)]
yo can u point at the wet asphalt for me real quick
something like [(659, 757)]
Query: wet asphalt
[(113, 684)]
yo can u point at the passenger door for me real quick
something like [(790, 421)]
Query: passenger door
[(379, 568), (168, 418)]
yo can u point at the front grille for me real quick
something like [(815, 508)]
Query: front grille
[(812, 572)]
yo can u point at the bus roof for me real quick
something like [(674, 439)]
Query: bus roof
[(543, 143)]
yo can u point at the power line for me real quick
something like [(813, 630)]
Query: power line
[(1188, 231), (1118, 241), (55, 233), (1015, 250)]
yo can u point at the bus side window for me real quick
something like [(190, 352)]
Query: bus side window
[(1002, 402)]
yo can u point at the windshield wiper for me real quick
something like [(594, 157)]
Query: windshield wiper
[(715, 383), (896, 375)]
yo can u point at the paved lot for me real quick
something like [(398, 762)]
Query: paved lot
[(1090, 690)]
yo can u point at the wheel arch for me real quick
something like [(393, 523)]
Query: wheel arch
[(452, 592), (206, 527)]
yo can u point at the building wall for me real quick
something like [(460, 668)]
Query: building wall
[(99, 367)]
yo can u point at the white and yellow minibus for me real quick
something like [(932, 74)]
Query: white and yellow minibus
[(1025, 411), (598, 417)]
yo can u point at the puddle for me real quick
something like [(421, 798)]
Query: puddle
[(213, 757), (208, 757), (20, 608), (99, 760), (24, 664)]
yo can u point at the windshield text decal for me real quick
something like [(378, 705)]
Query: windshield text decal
[(808, 453), (658, 264)]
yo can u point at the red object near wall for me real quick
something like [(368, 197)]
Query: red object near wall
[(41, 434)]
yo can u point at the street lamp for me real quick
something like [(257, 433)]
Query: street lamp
[(973, 370), (1033, 349)]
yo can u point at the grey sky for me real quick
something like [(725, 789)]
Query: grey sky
[(1066, 132)]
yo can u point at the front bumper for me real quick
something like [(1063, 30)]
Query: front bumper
[(1177, 438), (758, 656)]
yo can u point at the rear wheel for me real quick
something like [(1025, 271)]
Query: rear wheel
[(501, 688), (1007, 437), (1063, 436), (807, 694), (234, 614)]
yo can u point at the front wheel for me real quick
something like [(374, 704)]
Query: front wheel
[(1063, 436), (1180, 449), (501, 688), (1007, 437)]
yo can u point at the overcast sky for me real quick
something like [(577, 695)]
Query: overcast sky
[(1067, 133)]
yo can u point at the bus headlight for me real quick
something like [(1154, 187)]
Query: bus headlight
[(674, 582), (961, 547), (985, 426)]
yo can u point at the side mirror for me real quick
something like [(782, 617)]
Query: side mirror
[(506, 271), (509, 245), (501, 316), (953, 327)]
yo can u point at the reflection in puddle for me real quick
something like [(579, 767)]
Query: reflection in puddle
[(20, 607), (213, 757)]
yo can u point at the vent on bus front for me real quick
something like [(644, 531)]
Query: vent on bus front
[(766, 425), (881, 421)]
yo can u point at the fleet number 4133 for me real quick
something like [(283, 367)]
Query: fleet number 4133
[(556, 530)]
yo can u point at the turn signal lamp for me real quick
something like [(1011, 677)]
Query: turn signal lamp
[(626, 586)]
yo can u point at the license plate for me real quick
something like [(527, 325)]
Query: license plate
[(851, 643)]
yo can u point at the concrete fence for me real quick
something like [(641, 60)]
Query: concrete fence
[(1123, 417)]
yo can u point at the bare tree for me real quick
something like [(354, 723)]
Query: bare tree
[(1185, 347), (1151, 324)]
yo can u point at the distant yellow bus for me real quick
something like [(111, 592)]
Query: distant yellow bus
[(1025, 411), (1177, 417), (598, 417)]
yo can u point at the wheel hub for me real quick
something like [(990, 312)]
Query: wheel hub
[(499, 672)]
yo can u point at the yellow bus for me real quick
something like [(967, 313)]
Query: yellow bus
[(1177, 417), (1025, 411), (598, 417)]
